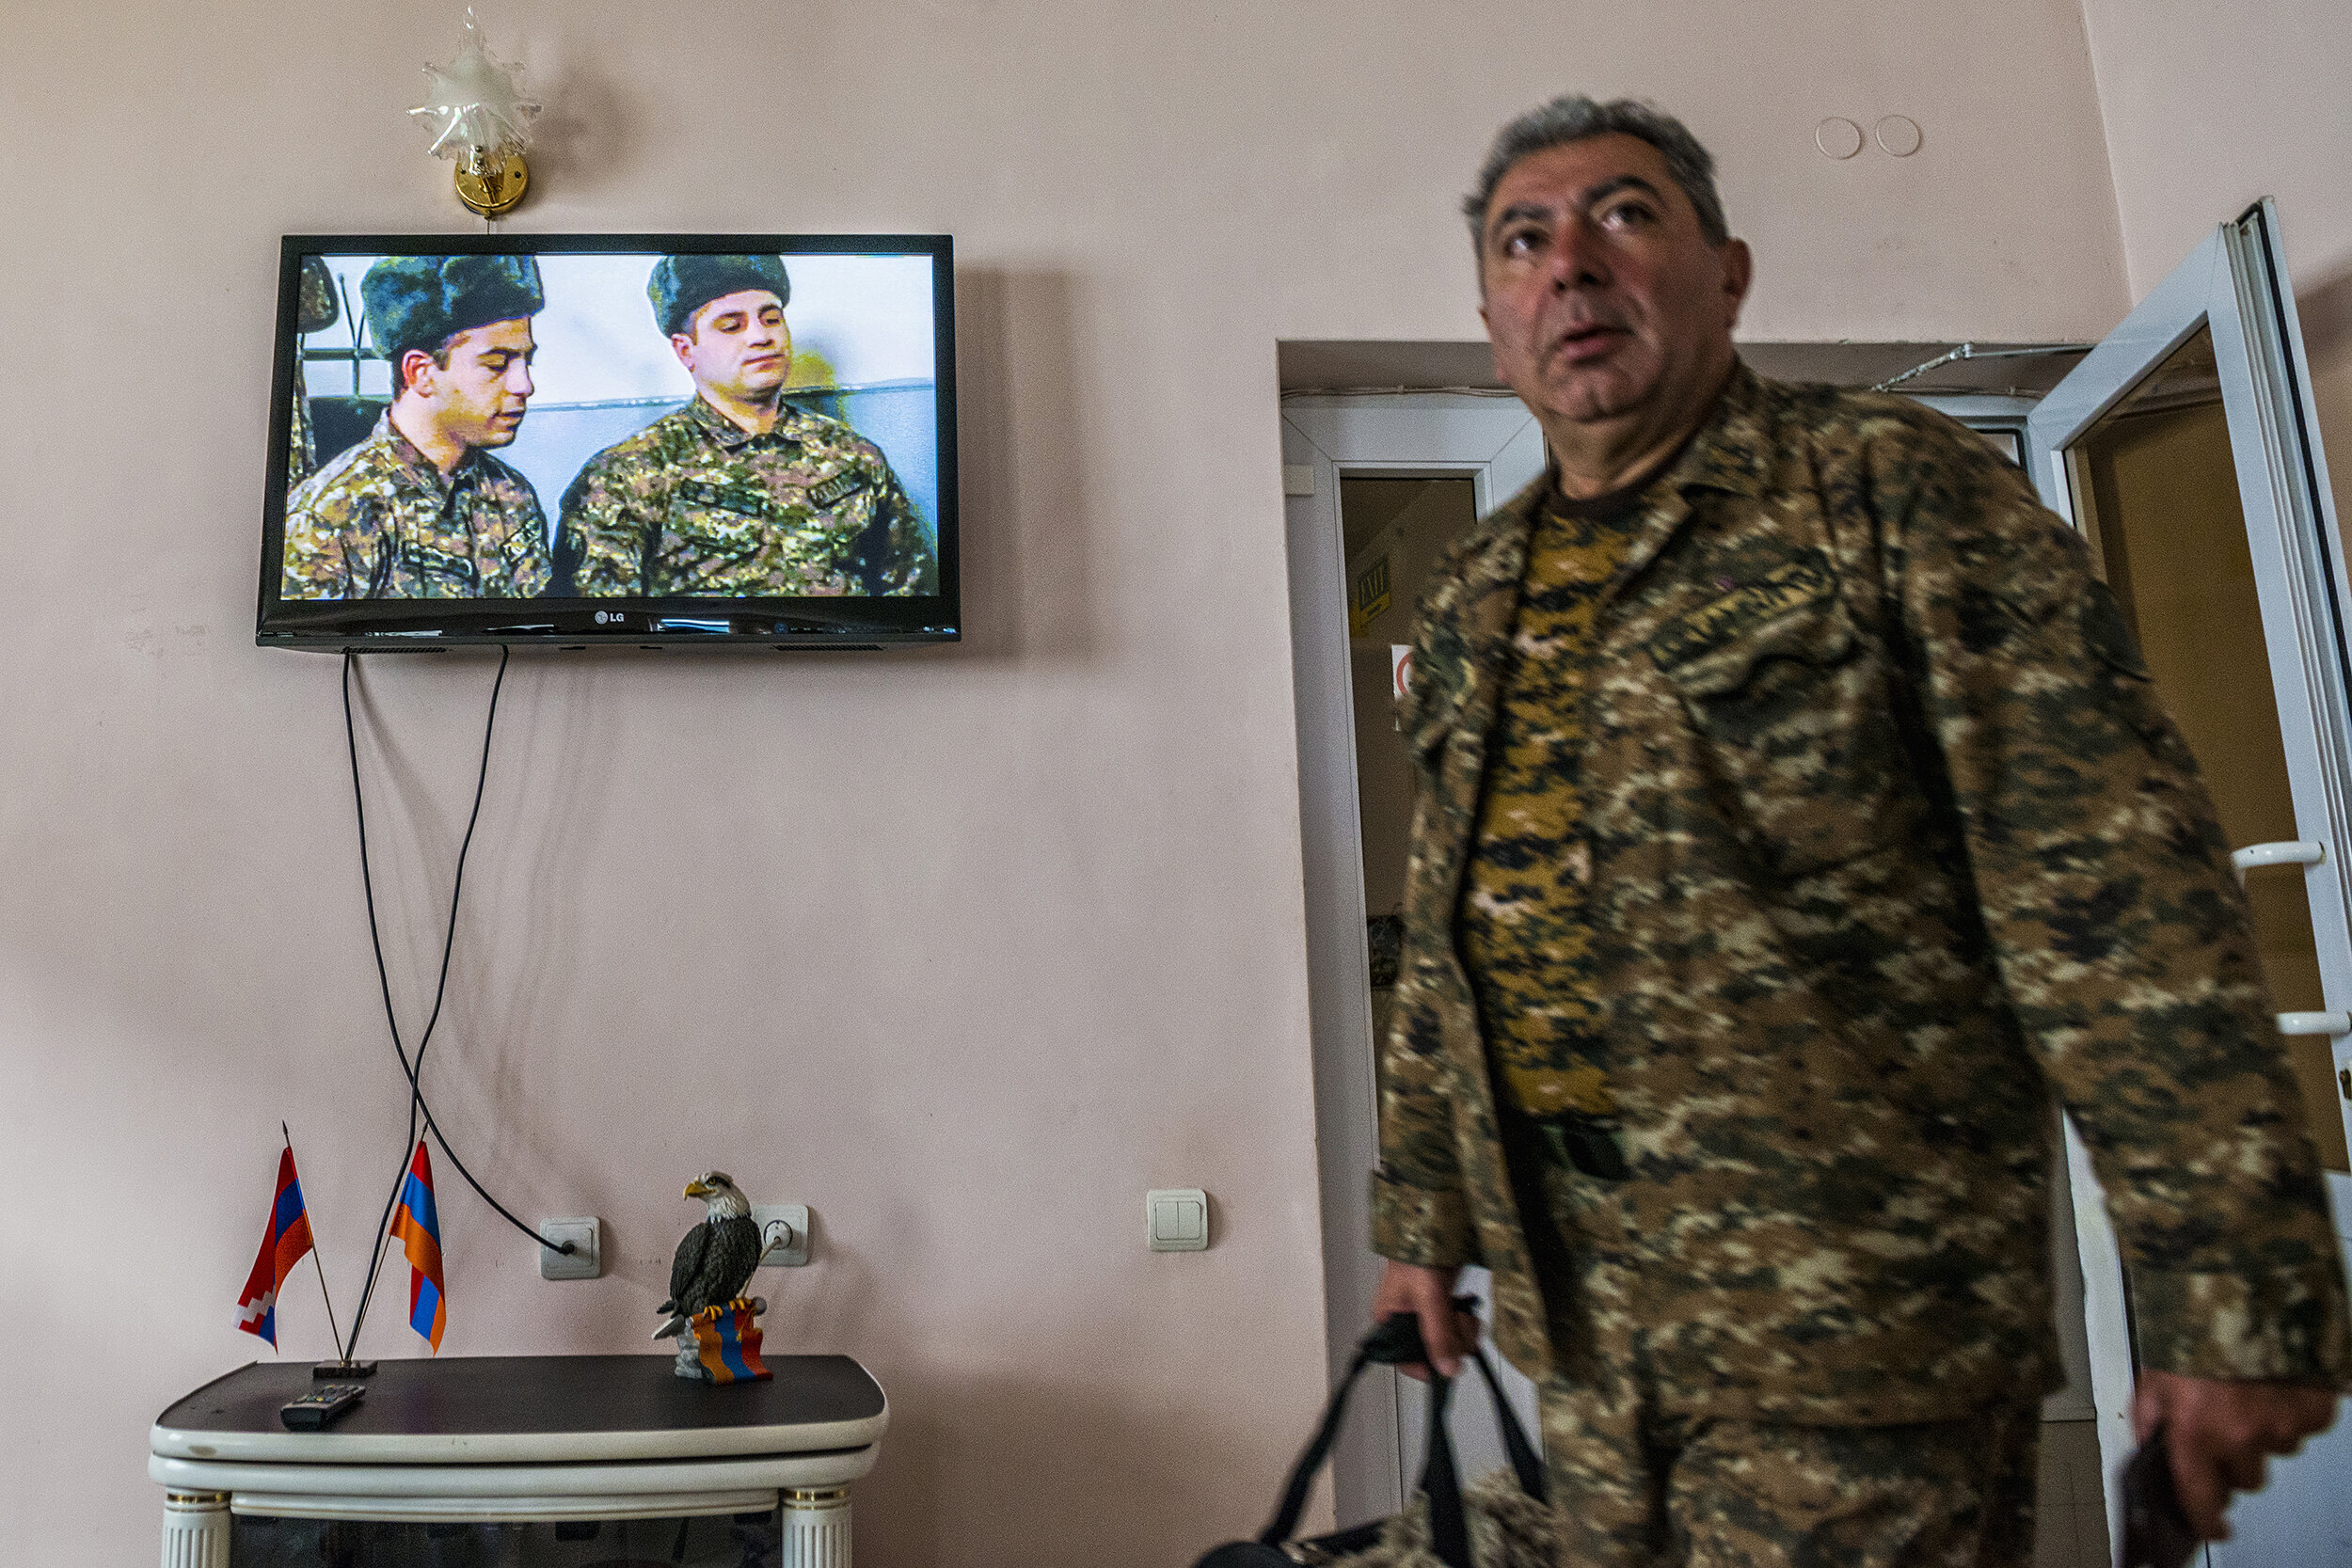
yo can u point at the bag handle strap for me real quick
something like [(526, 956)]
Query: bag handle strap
[(1441, 1482), (1285, 1520), (1396, 1341), (1525, 1462)]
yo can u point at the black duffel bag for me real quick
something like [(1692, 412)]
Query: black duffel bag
[(1448, 1534)]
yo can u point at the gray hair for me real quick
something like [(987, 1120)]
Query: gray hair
[(1573, 118)]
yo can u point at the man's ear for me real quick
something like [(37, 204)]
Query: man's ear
[(682, 344), (415, 365), (1739, 264)]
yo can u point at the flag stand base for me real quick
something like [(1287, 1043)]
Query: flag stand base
[(336, 1372)]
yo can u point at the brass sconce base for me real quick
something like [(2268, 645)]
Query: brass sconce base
[(494, 189)]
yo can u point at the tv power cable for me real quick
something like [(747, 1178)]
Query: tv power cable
[(413, 1070)]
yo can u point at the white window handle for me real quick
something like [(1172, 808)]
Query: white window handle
[(2286, 852), (2315, 1023)]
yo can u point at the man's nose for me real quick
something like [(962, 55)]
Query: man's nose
[(1579, 260), (518, 380)]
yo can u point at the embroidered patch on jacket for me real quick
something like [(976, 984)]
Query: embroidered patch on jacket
[(429, 562), (1802, 580), (721, 497), (834, 489)]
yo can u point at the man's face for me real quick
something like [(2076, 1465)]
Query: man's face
[(738, 346), (478, 401), (1601, 297)]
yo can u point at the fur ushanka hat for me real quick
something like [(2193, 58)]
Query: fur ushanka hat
[(421, 302), (681, 285)]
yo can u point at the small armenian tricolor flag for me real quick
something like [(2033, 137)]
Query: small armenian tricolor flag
[(282, 1246), (418, 1224)]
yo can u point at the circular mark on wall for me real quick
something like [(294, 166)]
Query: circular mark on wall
[(1899, 135), (1837, 139)]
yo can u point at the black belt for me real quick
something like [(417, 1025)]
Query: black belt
[(1570, 1139)]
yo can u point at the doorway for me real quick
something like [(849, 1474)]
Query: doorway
[(1411, 467), (2184, 450)]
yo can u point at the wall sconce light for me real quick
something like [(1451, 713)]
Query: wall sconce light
[(479, 116)]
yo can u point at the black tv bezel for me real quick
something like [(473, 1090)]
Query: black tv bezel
[(365, 626)]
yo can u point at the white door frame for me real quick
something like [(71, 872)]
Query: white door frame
[(2235, 282), (1497, 445)]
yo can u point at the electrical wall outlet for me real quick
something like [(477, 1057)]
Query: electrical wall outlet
[(783, 1234), (586, 1259)]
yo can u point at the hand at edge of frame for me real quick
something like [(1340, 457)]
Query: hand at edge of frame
[(2222, 1433)]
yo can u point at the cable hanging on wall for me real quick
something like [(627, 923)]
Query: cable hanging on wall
[(413, 1070)]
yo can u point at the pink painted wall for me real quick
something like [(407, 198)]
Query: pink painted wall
[(2209, 108), (965, 948)]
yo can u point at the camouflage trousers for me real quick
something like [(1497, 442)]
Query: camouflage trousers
[(1633, 1488), (1636, 1485)]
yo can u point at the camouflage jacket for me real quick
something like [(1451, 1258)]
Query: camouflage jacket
[(1888, 836), (694, 504), (381, 522)]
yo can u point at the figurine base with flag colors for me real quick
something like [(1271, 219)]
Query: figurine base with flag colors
[(726, 1343)]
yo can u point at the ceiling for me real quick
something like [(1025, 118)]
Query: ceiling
[(1360, 366)]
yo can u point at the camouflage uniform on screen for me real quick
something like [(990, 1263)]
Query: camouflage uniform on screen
[(695, 504), (316, 309), (381, 522), (1879, 833), (302, 446)]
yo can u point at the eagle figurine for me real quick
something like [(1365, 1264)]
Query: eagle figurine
[(715, 1260)]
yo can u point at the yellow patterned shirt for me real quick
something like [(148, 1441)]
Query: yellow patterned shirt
[(1526, 924)]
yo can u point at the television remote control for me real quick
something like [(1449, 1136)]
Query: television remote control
[(321, 1406)]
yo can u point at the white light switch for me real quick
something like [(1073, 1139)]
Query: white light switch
[(1177, 1219), (586, 1259), (783, 1234)]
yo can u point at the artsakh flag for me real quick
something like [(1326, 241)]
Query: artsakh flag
[(418, 1224), (282, 1246)]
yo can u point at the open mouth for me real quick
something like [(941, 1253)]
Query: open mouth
[(1588, 341)]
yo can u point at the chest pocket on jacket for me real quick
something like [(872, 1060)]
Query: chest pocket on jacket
[(718, 523), (442, 570), (1796, 736)]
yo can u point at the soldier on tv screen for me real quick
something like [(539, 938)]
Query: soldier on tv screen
[(739, 493), (315, 310), (421, 510)]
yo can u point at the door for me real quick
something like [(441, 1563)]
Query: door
[(2184, 448), (1336, 450)]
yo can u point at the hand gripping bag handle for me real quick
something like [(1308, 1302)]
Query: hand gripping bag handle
[(1397, 1343)]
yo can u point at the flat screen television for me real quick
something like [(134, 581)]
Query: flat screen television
[(625, 440)]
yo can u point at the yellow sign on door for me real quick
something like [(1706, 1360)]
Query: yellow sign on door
[(1368, 596)]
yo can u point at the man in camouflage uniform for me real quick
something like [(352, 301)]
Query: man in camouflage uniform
[(1794, 816), (421, 510), (739, 493), (315, 310)]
